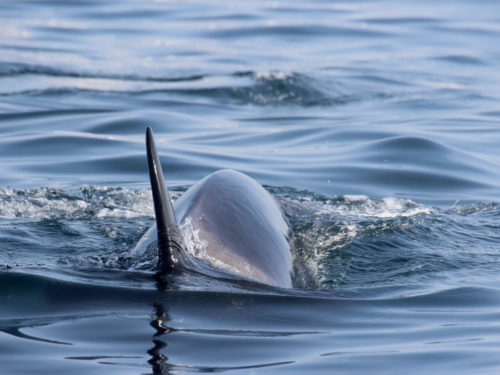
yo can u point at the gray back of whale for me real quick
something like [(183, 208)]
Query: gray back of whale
[(242, 229), (241, 224)]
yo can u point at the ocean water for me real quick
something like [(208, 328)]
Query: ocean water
[(375, 124)]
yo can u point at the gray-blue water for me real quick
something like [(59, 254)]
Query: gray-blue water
[(375, 124)]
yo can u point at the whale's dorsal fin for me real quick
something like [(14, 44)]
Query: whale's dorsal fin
[(170, 240)]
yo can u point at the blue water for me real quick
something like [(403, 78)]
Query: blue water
[(375, 124)]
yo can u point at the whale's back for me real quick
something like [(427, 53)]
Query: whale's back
[(243, 228)]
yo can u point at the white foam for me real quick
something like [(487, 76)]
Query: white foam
[(323, 244), (116, 213), (355, 198), (98, 202), (337, 222), (273, 74), (362, 206), (194, 244)]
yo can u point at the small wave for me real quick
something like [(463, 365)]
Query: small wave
[(280, 87), (40, 80), (452, 296), (360, 206), (326, 228), (401, 20), (259, 88), (91, 202), (352, 241), (461, 60), (273, 88), (471, 209), (18, 69), (304, 31), (422, 151)]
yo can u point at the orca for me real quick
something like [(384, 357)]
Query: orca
[(243, 230)]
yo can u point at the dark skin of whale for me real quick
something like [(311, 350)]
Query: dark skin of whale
[(241, 225)]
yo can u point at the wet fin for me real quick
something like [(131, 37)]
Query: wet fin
[(170, 241)]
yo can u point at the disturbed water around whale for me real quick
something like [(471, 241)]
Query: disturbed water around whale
[(374, 124)]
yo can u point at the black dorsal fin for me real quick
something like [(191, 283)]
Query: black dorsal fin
[(170, 238)]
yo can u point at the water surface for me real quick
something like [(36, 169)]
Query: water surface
[(374, 124)]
